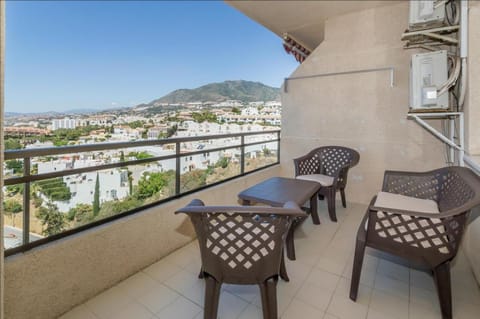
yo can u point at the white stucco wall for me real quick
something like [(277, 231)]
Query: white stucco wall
[(472, 127), (359, 110)]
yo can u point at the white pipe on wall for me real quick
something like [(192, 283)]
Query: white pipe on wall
[(463, 49)]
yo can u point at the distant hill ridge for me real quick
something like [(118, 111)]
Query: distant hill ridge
[(245, 91)]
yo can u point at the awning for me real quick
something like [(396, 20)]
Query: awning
[(293, 47)]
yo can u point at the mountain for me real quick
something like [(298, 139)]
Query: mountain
[(245, 91)]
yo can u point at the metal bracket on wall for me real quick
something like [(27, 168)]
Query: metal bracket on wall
[(450, 140), (390, 68)]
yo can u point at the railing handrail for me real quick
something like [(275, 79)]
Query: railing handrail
[(59, 150)]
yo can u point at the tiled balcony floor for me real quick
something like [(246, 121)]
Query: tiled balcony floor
[(318, 287)]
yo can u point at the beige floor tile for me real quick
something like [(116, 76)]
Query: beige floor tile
[(137, 284), (392, 286), (157, 298), (421, 279), (315, 296), (419, 311), (162, 270), (284, 297), (108, 302), (375, 314), (298, 309), (79, 312), (344, 308), (425, 298), (181, 308), (131, 310), (364, 292), (251, 312), (330, 316), (323, 279), (183, 256), (393, 270), (389, 305), (333, 263), (245, 292), (230, 306), (466, 311)]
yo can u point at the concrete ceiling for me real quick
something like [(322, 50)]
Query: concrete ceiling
[(303, 20)]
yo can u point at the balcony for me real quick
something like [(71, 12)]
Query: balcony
[(143, 262), (318, 288)]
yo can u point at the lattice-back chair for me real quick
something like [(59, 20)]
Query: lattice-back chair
[(241, 245), (420, 217), (328, 165)]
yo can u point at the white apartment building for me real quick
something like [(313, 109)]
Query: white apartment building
[(66, 123)]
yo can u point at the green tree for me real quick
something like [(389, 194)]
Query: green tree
[(172, 130), (150, 184), (51, 219), (204, 116), (15, 165), (13, 144), (81, 214), (12, 208), (122, 157), (223, 162), (96, 197), (236, 110), (130, 183), (13, 190), (136, 124)]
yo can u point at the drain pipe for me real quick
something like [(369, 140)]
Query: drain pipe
[(463, 49)]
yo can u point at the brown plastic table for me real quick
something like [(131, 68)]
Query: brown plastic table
[(276, 191)]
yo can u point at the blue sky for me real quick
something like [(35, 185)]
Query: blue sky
[(67, 55)]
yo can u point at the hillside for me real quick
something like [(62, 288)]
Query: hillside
[(245, 91)]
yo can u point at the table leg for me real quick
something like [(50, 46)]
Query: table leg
[(290, 243), (314, 209), (283, 269)]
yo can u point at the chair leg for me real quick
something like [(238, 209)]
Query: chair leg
[(268, 290), (344, 200), (357, 268), (290, 245), (283, 269), (212, 296), (441, 275), (331, 204)]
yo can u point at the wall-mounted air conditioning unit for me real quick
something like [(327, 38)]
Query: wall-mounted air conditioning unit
[(426, 13), (428, 72)]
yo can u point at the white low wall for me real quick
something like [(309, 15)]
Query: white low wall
[(49, 280)]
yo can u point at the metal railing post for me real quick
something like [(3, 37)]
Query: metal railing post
[(26, 202), (177, 168), (278, 146), (242, 154)]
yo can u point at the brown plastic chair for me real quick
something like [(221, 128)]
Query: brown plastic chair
[(328, 162), (241, 245), (424, 239)]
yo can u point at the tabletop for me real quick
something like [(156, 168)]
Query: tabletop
[(276, 191)]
